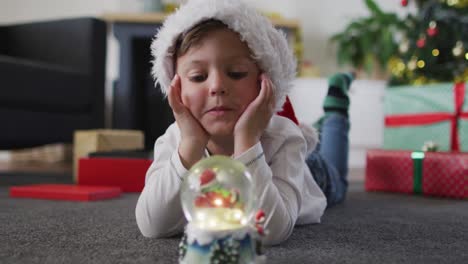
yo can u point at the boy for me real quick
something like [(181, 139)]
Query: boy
[(226, 71)]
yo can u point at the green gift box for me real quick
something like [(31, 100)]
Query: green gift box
[(415, 115)]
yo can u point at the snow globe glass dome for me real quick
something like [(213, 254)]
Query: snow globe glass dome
[(218, 194)]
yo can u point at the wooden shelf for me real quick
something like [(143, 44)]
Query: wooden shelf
[(158, 18), (147, 18), (286, 23)]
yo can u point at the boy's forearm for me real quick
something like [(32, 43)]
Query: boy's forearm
[(190, 153), (244, 143)]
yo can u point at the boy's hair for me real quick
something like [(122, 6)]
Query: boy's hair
[(194, 35)]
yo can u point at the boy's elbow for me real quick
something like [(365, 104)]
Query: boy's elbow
[(147, 227), (144, 223), (155, 227), (275, 238), (151, 231), (147, 233)]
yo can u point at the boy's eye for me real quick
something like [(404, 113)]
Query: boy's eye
[(197, 78), (237, 75)]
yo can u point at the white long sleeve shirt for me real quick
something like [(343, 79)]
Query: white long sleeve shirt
[(285, 187)]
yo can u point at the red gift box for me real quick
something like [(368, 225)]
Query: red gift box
[(126, 173), (64, 192), (442, 174)]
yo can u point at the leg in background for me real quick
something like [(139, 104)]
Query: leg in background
[(329, 162)]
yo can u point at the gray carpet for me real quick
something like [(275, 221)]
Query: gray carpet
[(367, 228)]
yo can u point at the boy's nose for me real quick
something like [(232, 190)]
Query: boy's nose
[(218, 86), (218, 91)]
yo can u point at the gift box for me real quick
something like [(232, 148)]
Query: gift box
[(66, 192), (126, 173), (441, 174), (88, 141), (418, 114)]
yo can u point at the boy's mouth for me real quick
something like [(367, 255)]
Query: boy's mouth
[(219, 110)]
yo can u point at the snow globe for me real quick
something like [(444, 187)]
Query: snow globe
[(218, 199)]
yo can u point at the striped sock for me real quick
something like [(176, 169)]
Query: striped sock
[(337, 99)]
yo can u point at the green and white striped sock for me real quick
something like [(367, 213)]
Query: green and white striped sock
[(337, 99)]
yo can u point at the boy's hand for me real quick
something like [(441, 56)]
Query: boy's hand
[(193, 136), (255, 118)]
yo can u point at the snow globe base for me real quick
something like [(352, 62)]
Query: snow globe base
[(219, 246)]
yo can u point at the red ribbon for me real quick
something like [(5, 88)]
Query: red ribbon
[(429, 118)]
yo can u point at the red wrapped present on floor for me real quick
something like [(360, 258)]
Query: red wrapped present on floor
[(126, 173), (443, 174), (64, 192)]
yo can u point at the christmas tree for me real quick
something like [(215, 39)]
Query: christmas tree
[(368, 43), (434, 45)]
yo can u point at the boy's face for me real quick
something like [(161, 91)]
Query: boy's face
[(218, 80)]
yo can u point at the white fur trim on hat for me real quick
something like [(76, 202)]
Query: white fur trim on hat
[(268, 45)]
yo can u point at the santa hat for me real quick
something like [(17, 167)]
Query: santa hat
[(207, 178), (268, 45)]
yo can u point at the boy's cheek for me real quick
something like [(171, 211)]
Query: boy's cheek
[(184, 99), (183, 92), (187, 98)]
